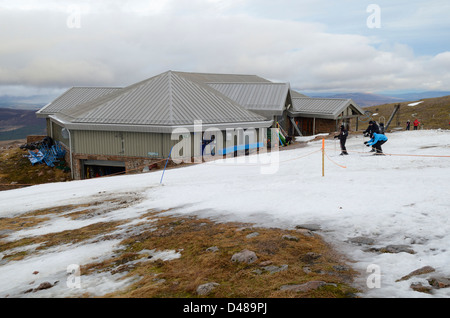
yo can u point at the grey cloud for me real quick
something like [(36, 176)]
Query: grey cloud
[(116, 46)]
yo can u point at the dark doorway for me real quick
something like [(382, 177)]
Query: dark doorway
[(98, 168)]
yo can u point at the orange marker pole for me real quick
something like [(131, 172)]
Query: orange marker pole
[(323, 157)]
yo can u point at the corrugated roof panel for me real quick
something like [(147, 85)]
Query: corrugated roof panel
[(76, 96), (129, 106), (222, 78), (326, 107), (255, 96), (194, 101), (318, 105), (166, 99)]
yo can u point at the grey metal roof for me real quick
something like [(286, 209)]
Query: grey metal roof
[(265, 98), (73, 97), (168, 99), (222, 78), (328, 108), (156, 128)]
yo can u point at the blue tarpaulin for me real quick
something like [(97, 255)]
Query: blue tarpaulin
[(240, 147)]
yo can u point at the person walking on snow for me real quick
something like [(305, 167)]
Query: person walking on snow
[(376, 142), (343, 138), (416, 124), (408, 125)]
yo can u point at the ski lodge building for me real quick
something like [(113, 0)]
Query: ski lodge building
[(111, 129)]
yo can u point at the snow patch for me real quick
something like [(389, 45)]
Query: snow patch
[(401, 198)]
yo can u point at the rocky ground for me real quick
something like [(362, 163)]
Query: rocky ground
[(16, 171), (223, 260)]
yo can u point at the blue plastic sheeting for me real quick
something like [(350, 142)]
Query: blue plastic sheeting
[(240, 147), (35, 157), (47, 155)]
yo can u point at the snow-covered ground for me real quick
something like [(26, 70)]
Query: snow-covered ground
[(402, 198)]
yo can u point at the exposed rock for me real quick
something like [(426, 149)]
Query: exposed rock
[(310, 257), (212, 249), (420, 271), (439, 282), (311, 227), (341, 268), (305, 232), (306, 287), (421, 288), (361, 240), (245, 256), (265, 263), (251, 235), (392, 249), (272, 269), (397, 249), (205, 289), (44, 285), (290, 238)]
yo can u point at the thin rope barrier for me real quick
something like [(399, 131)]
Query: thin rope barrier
[(337, 164)]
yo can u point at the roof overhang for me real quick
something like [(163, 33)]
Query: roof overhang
[(41, 112), (337, 113), (311, 115), (164, 129)]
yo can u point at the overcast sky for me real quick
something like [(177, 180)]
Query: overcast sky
[(317, 45)]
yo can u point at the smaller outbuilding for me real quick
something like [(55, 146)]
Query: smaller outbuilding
[(313, 116)]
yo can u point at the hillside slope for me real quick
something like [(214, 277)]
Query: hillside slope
[(16, 169), (19, 123), (433, 113), (382, 212)]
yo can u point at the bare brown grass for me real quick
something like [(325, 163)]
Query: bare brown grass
[(309, 258), (433, 113), (197, 265)]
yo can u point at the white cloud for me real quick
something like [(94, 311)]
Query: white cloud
[(121, 42)]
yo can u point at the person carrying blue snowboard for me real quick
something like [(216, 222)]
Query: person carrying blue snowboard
[(376, 142)]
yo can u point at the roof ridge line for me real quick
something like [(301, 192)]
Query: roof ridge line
[(243, 83)]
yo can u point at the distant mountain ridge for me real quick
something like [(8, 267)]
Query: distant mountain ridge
[(32, 102), (19, 123), (369, 99)]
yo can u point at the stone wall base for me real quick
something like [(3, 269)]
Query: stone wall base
[(133, 165)]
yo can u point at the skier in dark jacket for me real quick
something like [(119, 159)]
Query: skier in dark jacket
[(343, 138), (373, 128), (376, 142)]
